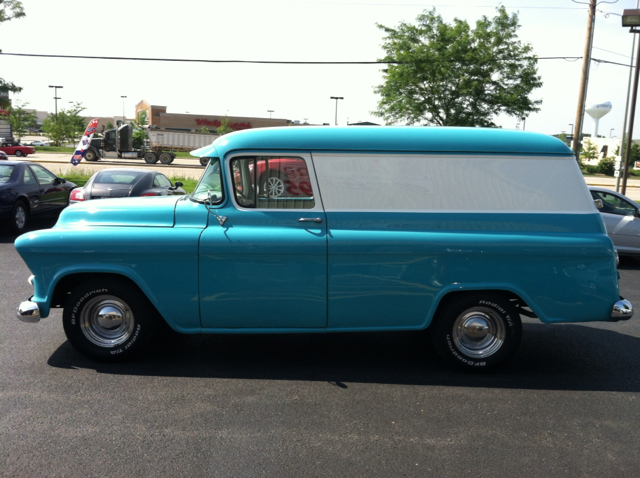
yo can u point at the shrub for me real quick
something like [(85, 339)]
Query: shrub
[(606, 166)]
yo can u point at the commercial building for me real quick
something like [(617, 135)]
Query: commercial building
[(159, 118)]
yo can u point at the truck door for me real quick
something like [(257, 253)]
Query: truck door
[(266, 266)]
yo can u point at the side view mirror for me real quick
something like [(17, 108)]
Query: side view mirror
[(59, 181), (179, 184), (599, 203)]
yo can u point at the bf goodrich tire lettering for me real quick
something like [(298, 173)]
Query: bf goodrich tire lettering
[(108, 320), (477, 331)]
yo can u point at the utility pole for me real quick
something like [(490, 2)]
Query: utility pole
[(584, 81)]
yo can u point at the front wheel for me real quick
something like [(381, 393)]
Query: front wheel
[(91, 155), (106, 320), (477, 332), (19, 154)]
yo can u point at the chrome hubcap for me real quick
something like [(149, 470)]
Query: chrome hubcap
[(21, 217), (275, 187), (479, 332), (107, 321)]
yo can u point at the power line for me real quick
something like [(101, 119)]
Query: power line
[(270, 62)]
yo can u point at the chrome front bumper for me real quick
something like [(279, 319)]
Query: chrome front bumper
[(622, 310), (28, 311)]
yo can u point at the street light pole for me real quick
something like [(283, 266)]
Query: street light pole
[(269, 111), (55, 96), (631, 18), (123, 98), (337, 98)]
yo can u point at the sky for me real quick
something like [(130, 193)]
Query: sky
[(288, 30)]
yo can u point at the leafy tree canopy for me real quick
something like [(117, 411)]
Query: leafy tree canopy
[(453, 75), (139, 132), (65, 127), (9, 10), (225, 126), (20, 120)]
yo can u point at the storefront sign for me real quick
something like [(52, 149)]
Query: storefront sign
[(217, 123)]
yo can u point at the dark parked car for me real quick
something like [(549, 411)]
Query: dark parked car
[(28, 189), (125, 182), (621, 217), (3, 155)]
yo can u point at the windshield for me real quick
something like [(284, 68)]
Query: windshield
[(210, 183)]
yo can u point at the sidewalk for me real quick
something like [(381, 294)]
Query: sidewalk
[(633, 185)]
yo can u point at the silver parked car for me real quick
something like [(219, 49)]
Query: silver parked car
[(621, 216)]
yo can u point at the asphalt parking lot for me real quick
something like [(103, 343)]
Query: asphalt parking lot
[(317, 405)]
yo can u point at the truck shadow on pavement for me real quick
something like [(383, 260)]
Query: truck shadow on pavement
[(551, 357)]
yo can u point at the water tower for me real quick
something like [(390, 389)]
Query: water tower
[(597, 112)]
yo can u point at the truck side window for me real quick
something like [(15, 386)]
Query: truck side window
[(272, 183)]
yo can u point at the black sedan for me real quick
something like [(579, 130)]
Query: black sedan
[(124, 182), (28, 189)]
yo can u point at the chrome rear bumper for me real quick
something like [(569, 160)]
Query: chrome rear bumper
[(622, 310)]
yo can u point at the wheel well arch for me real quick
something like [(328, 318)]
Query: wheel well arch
[(517, 301), (69, 282), (25, 200)]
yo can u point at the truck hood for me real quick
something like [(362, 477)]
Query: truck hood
[(137, 211)]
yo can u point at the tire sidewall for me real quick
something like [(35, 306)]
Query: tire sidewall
[(442, 333), (143, 313)]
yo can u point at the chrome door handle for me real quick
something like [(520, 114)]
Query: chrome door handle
[(310, 219)]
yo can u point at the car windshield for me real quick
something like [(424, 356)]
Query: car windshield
[(5, 173), (117, 177), (210, 183)]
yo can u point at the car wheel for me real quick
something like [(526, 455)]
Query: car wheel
[(477, 332), (91, 155), (165, 158), (204, 161), (275, 185), (19, 217), (150, 158), (19, 154), (107, 320)]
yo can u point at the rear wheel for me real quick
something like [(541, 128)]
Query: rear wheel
[(477, 332), (150, 158), (166, 158), (107, 320), (19, 217)]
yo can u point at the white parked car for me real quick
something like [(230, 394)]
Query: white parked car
[(39, 143), (621, 217)]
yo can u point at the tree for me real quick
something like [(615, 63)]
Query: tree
[(9, 10), (452, 75), (589, 151), (139, 130), (204, 129), (21, 120), (225, 126), (65, 127)]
